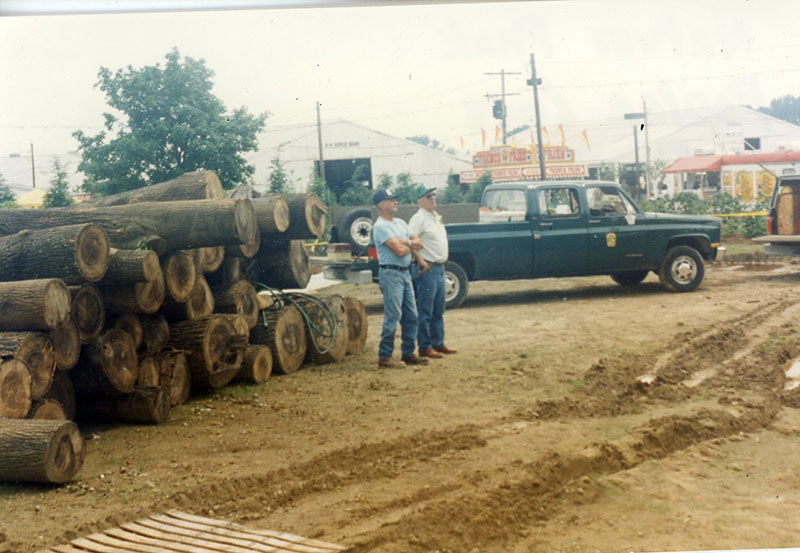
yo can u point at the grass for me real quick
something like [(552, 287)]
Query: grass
[(742, 248)]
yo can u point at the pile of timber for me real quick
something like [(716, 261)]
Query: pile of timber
[(121, 307)]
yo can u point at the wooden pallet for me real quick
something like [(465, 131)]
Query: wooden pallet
[(177, 532)]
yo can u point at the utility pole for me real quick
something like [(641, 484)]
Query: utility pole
[(649, 185), (503, 110), (535, 82), (319, 142), (33, 167)]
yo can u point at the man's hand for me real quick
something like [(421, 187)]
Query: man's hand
[(424, 266), (415, 242)]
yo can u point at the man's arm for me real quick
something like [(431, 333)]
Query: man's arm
[(399, 246)]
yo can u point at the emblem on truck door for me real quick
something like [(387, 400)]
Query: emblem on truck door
[(611, 240)]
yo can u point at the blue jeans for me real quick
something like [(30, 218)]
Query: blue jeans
[(430, 307), (400, 306)]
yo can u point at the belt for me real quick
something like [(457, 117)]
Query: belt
[(394, 267), (435, 263)]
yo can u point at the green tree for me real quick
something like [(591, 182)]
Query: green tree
[(58, 194), (167, 122), (355, 192), (406, 189), (452, 192), (385, 181), (278, 180), (7, 196), (786, 108), (475, 192)]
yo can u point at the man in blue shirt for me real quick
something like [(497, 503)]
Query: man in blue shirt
[(396, 245)]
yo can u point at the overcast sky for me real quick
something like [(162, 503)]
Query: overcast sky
[(408, 70)]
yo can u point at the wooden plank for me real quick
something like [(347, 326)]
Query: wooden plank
[(89, 544), (118, 546), (778, 238), (188, 544)]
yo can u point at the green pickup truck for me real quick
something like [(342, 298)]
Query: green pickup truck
[(576, 228)]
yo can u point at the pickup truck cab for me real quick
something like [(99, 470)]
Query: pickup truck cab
[(576, 228)]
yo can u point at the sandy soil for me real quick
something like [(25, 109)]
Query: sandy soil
[(577, 416)]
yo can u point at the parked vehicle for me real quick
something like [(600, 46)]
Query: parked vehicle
[(783, 220)]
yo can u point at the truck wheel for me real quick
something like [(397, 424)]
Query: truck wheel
[(455, 285), (629, 278), (682, 269), (355, 228)]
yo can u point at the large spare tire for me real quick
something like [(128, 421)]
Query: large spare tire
[(355, 228)]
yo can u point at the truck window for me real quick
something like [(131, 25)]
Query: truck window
[(606, 200), (503, 206), (559, 202)]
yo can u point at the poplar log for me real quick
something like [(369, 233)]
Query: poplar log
[(149, 373), (40, 451), (36, 350), (131, 266), (34, 304), (46, 409), (74, 253), (240, 299), (175, 376), (142, 297), (109, 366), (326, 328), (356, 325), (244, 250), (194, 185), (256, 365), (284, 332), (88, 311), (62, 391), (66, 344), (233, 270), (15, 389), (155, 333), (281, 264), (306, 216), (214, 257), (140, 406), (211, 345), (199, 304), (131, 325), (180, 274), (272, 214)]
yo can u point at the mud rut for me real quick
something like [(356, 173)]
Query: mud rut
[(730, 384)]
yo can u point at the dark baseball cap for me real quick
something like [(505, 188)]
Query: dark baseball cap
[(422, 190), (382, 194)]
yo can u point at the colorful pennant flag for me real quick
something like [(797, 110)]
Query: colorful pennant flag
[(496, 133), (545, 136), (483, 137), (586, 139), (561, 132)]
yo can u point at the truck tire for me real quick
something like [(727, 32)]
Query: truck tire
[(682, 269), (629, 278), (355, 228), (456, 285)]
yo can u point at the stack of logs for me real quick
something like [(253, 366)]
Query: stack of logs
[(118, 308)]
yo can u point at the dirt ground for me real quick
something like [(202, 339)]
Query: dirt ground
[(578, 415)]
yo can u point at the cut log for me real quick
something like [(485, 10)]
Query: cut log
[(108, 367), (284, 332), (131, 266), (149, 373), (240, 298), (174, 375), (256, 365), (140, 406), (165, 226), (198, 305), (66, 344), (15, 389), (356, 325), (131, 325), (88, 311), (209, 344), (306, 216), (36, 350), (180, 274), (47, 409), (326, 328), (240, 324), (155, 331), (34, 304), (266, 299), (233, 270), (272, 214), (74, 253), (62, 391), (195, 185), (244, 250), (40, 451), (281, 264), (214, 257), (142, 297)]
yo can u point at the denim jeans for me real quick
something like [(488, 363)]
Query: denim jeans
[(430, 307), (399, 305)]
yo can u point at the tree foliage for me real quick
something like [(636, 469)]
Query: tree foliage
[(406, 189), (719, 204), (475, 192), (786, 108), (452, 192), (278, 179), (7, 196), (58, 194), (167, 123)]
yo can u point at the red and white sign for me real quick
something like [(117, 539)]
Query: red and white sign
[(530, 172)]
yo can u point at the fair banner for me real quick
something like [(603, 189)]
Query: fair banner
[(530, 172)]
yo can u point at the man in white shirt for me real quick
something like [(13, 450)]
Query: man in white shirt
[(429, 274)]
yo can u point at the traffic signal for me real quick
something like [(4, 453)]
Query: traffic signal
[(497, 109)]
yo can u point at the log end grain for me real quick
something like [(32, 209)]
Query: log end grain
[(56, 303), (357, 325), (63, 392), (49, 451), (256, 365), (180, 274), (47, 409), (88, 311), (92, 252), (245, 221), (15, 389), (132, 326), (67, 344), (38, 352)]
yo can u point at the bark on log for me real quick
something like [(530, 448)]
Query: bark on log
[(244, 250), (142, 297), (240, 299), (356, 324), (174, 375), (88, 311), (131, 325), (306, 216), (266, 299), (149, 373), (166, 226), (155, 329), (62, 391), (46, 409), (180, 274), (40, 451), (131, 266), (15, 389), (281, 264), (109, 366), (34, 304), (195, 185), (199, 304), (140, 406), (326, 328), (272, 214), (74, 253), (66, 344), (36, 350), (285, 335), (256, 365), (207, 343)]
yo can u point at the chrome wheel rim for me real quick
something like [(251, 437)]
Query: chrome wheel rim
[(683, 269), (360, 231), (451, 286)]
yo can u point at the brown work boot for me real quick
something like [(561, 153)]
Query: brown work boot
[(390, 363), (444, 349), (430, 352), (414, 360)]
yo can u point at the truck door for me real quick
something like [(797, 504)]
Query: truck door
[(506, 242), (560, 238), (616, 242)]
